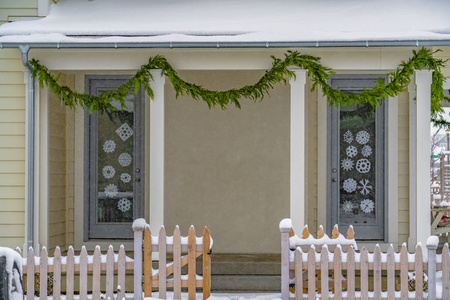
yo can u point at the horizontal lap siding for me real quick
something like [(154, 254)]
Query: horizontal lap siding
[(403, 168), (57, 170), (12, 146), (61, 158)]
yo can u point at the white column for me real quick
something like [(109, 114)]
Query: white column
[(420, 179), (298, 150), (157, 152)]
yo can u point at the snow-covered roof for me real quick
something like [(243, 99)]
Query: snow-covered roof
[(234, 21)]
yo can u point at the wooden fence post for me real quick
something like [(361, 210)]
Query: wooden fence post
[(138, 228), (285, 228), (206, 264), (432, 244)]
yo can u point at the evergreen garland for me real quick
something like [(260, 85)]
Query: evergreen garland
[(399, 80)]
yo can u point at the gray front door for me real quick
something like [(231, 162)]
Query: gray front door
[(357, 162), (114, 165)]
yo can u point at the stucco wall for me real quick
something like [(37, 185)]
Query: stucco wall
[(229, 169), (17, 8), (12, 149)]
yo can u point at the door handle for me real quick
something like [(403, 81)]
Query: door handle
[(138, 179), (334, 179)]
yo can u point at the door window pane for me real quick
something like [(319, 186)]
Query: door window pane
[(115, 164)]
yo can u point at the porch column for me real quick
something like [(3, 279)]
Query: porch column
[(157, 152), (419, 178), (298, 150)]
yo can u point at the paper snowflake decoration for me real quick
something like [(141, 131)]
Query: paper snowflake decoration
[(351, 151), (108, 172), (125, 177), (362, 137), (367, 206), (347, 164), (111, 190), (365, 188), (366, 151), (347, 206), (348, 136), (349, 185), (125, 159), (363, 165), (109, 146), (124, 132), (124, 205)]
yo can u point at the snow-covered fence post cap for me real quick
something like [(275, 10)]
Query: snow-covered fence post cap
[(432, 242), (285, 225), (139, 225)]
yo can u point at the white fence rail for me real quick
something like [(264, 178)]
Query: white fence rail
[(312, 274)]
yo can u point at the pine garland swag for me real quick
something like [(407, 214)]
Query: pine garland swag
[(399, 79)]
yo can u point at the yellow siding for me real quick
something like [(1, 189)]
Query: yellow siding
[(61, 132), (311, 161), (403, 168), (12, 148), (70, 171), (57, 170)]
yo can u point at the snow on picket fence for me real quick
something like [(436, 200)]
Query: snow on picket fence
[(304, 259), (113, 267)]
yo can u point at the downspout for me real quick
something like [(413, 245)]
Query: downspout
[(30, 153)]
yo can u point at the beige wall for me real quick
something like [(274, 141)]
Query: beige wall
[(229, 169), (12, 149), (17, 8)]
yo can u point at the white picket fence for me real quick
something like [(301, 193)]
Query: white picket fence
[(77, 266), (334, 275), (106, 272)]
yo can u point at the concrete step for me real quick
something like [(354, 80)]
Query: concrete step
[(245, 283), (245, 272)]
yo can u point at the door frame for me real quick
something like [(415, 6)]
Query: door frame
[(90, 157), (331, 139)]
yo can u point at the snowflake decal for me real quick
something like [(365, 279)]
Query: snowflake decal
[(125, 159), (347, 164), (365, 188), (125, 177), (348, 136), (124, 205), (124, 131), (108, 172), (351, 151), (367, 206), (109, 146), (363, 165), (362, 137), (366, 151), (111, 190), (347, 206), (349, 185)]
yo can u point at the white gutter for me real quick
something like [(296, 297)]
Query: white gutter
[(30, 151), (307, 44)]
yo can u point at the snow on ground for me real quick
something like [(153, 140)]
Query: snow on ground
[(234, 20), (224, 296)]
